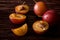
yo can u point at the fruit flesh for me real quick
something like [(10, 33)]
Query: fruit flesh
[(23, 8), (40, 26), (17, 18), (21, 31), (19, 8)]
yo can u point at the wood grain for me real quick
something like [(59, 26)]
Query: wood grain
[(7, 7)]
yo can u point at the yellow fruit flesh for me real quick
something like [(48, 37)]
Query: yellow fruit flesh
[(37, 26), (19, 7), (17, 16), (21, 30)]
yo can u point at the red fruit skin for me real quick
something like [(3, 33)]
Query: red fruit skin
[(50, 16), (15, 21), (40, 33), (39, 8)]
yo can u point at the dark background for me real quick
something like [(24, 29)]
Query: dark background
[(7, 7)]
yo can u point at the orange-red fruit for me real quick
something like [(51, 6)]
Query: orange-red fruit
[(17, 18), (40, 27), (22, 9), (39, 8)]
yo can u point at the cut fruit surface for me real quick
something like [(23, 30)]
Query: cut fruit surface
[(22, 9), (40, 26), (20, 31), (17, 18)]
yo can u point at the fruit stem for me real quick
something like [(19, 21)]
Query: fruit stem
[(23, 3), (35, 1)]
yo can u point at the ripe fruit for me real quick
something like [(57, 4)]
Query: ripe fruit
[(22, 9), (40, 27), (39, 8), (17, 18), (50, 17), (20, 31)]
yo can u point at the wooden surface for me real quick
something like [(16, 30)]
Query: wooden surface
[(7, 7)]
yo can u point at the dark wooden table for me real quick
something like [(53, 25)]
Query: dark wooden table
[(7, 7)]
